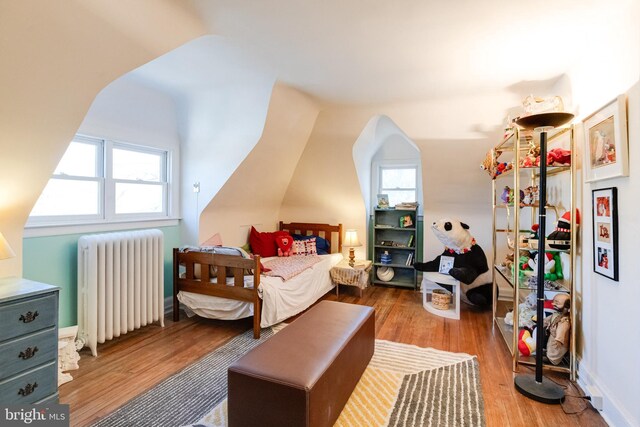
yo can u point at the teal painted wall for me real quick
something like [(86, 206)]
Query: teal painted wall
[(54, 260)]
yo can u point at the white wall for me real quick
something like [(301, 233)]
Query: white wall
[(56, 56), (607, 336), (254, 192)]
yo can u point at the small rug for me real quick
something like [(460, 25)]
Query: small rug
[(405, 385)]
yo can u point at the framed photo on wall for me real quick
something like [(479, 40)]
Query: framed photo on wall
[(606, 145), (605, 232)]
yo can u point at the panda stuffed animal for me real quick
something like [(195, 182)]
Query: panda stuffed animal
[(470, 266)]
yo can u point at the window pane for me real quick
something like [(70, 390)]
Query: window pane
[(80, 159), (138, 198), (136, 165), (68, 197), (398, 178), (396, 196)]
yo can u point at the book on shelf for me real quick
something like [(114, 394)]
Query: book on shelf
[(407, 206), (409, 259), (410, 242)]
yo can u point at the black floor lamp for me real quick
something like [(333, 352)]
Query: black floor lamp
[(536, 387)]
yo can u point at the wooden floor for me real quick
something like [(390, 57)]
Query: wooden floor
[(129, 365)]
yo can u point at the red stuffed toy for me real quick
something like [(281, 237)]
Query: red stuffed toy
[(284, 241)]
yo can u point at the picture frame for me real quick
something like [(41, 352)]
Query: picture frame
[(446, 264), (383, 201), (606, 142), (605, 232)]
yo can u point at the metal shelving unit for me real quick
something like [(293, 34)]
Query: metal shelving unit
[(510, 238)]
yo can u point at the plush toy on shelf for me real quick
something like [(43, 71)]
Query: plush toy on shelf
[(527, 341), (561, 236), (526, 312), (493, 166), (558, 328), (559, 157), (470, 266)]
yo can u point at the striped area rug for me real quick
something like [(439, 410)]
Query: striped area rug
[(187, 395), (405, 385)]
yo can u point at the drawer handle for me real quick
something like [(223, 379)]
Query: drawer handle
[(28, 389), (28, 353), (28, 317)]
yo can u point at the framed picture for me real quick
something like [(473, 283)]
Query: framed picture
[(383, 201), (605, 232), (605, 132), (446, 264)]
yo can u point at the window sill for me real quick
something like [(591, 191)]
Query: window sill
[(95, 227)]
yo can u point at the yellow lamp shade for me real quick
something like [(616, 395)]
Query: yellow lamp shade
[(5, 249)]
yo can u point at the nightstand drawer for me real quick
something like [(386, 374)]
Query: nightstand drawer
[(26, 352), (28, 315), (30, 386)]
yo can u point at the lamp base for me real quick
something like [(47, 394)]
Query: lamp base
[(352, 257), (546, 391)]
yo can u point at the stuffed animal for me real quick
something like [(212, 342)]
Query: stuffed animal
[(549, 263), (559, 157), (562, 233), (527, 341), (470, 266), (558, 328), (493, 166), (284, 241), (526, 312)]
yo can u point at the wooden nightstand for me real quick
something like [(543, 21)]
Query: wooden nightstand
[(358, 275)]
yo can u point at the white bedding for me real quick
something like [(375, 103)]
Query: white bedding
[(280, 299)]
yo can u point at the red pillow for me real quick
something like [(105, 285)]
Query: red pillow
[(263, 244)]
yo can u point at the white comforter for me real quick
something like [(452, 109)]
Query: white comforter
[(280, 299)]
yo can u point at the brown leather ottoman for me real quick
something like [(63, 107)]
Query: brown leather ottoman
[(304, 374)]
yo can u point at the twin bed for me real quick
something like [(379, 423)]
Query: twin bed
[(222, 286)]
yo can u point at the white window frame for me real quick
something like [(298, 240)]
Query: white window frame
[(395, 164), (110, 188), (104, 169)]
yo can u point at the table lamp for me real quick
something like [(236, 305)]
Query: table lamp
[(351, 241), (5, 249)]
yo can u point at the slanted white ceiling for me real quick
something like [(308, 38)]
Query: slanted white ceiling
[(364, 52)]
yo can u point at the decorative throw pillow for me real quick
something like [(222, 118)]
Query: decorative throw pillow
[(322, 244), (263, 244), (298, 248), (310, 246)]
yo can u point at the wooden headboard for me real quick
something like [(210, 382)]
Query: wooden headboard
[(323, 230)]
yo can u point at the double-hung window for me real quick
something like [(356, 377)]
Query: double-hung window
[(400, 183), (103, 181)]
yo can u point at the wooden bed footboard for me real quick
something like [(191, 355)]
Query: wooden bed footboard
[(201, 267)]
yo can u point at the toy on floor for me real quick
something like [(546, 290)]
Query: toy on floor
[(470, 266)]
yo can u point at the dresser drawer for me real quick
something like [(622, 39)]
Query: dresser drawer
[(30, 386), (28, 315), (26, 352)]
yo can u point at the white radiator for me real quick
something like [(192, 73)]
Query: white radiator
[(120, 284)]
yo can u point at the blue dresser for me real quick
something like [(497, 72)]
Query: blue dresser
[(28, 342)]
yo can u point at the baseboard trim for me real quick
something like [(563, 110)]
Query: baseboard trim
[(613, 412)]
